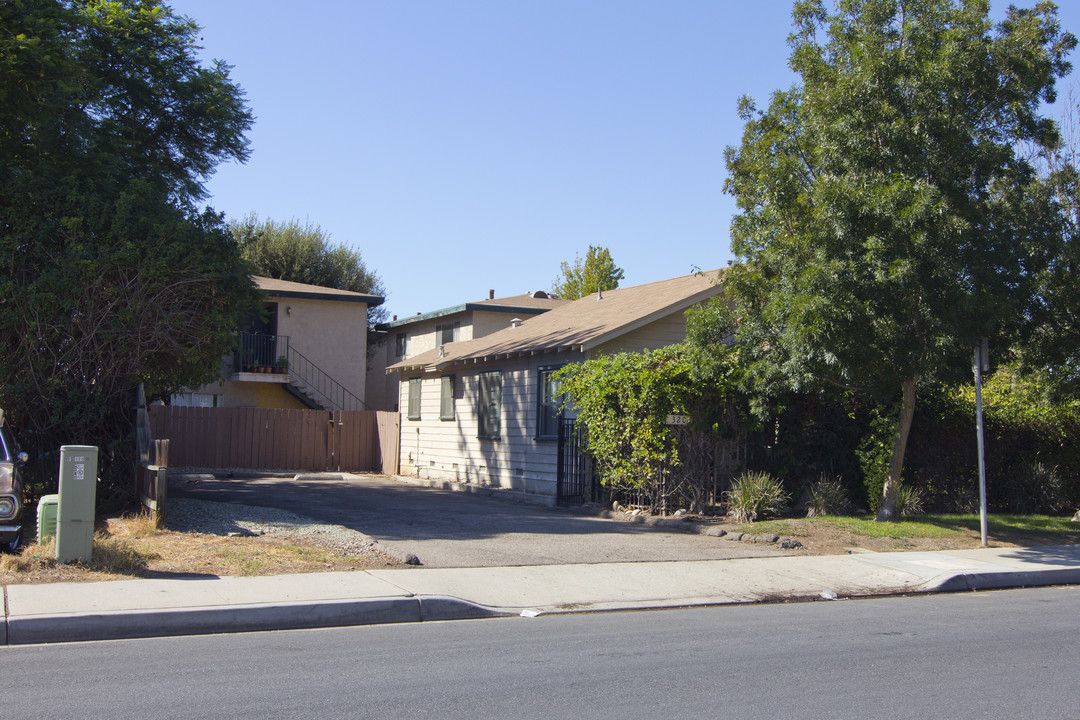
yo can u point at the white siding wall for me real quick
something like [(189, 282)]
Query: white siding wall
[(661, 333), (450, 450)]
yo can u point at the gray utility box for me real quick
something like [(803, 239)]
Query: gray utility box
[(78, 495)]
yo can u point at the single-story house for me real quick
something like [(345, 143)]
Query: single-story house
[(484, 412), (407, 337), (308, 351)]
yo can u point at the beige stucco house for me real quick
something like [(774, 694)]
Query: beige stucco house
[(484, 412), (309, 351), (408, 337)]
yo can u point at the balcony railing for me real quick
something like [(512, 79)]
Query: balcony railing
[(261, 353)]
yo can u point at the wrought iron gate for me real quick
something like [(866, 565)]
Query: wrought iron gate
[(576, 483)]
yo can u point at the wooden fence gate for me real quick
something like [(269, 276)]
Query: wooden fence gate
[(265, 439)]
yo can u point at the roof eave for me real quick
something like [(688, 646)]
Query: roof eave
[(369, 300), (683, 304)]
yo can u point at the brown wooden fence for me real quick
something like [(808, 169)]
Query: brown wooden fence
[(262, 439)]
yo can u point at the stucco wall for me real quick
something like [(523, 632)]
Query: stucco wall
[(330, 333), (422, 334), (381, 389), (485, 323)]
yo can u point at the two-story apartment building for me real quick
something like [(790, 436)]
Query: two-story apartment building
[(306, 351)]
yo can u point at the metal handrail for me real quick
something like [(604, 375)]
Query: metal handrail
[(258, 352), (337, 396)]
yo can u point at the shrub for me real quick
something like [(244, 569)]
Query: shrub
[(874, 453), (909, 500), (827, 496), (1035, 488), (754, 495)]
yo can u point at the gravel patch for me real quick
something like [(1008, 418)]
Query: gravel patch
[(213, 518)]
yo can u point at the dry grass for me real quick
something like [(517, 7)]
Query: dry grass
[(131, 546)]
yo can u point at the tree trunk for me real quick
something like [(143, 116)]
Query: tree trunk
[(887, 511)]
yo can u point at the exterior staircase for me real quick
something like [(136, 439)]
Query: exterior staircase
[(306, 380)]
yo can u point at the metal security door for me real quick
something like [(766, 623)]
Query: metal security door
[(575, 483)]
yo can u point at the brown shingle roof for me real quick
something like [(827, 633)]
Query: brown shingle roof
[(526, 300), (286, 288), (579, 325)]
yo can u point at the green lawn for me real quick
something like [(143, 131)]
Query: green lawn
[(930, 526)]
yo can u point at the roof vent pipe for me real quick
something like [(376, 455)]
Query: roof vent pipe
[(516, 322), (491, 294)]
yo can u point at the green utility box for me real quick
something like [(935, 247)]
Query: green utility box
[(78, 495), (46, 517)]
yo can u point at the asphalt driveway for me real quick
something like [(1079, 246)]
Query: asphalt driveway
[(451, 529)]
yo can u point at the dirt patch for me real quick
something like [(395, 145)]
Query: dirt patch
[(130, 547)]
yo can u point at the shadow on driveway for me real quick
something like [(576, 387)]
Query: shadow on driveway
[(451, 529)]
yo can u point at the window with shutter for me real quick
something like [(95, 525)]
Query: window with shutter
[(489, 404)]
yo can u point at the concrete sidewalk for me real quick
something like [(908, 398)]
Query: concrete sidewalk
[(64, 612)]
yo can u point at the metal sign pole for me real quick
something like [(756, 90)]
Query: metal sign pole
[(982, 362)]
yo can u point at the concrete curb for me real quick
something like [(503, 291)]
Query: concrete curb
[(130, 624), (1004, 580), (157, 608)]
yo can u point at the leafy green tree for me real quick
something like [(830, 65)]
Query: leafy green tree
[(624, 400), (887, 219), (596, 273), (111, 276), (1048, 346), (304, 254)]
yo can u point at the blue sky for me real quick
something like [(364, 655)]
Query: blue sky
[(468, 145)]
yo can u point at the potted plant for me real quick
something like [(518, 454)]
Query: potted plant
[(281, 366)]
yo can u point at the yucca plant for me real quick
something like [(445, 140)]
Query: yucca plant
[(754, 495), (827, 496), (909, 500)]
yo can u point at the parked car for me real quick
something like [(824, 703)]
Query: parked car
[(11, 489)]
